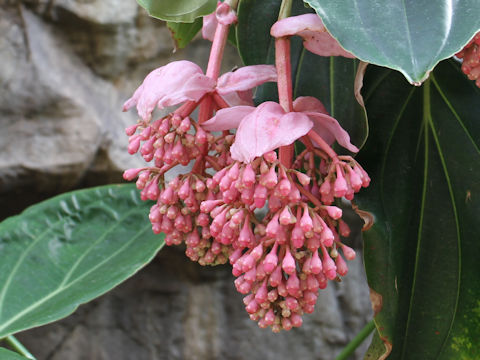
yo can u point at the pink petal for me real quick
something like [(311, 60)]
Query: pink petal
[(226, 119), (309, 103), (209, 26), (238, 98), (246, 78), (314, 34), (169, 85), (330, 130), (267, 128)]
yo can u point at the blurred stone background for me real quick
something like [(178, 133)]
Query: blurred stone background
[(66, 67)]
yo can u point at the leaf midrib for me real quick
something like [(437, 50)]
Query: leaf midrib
[(60, 289)]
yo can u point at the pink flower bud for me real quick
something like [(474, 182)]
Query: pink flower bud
[(234, 171), (288, 263), (237, 254), (270, 156), (193, 239), (131, 129), (293, 285), (225, 183), (348, 252), (340, 186), (250, 275), (248, 176), (202, 220), (292, 303), (306, 221), (296, 320), (184, 125), (329, 268), (145, 134), (208, 205), (269, 180), (260, 196), (343, 228), (302, 178), (200, 136), (316, 264), (312, 283), (184, 190), (271, 260), (261, 295), (134, 144), (246, 236), (327, 236), (275, 277), (342, 267), (286, 217), (167, 196), (246, 196), (257, 252), (273, 227), (284, 187), (334, 212), (238, 217), (131, 174), (269, 318), (310, 297), (298, 237)]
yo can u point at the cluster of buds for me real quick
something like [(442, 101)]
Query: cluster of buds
[(471, 59), (244, 201), (282, 259)]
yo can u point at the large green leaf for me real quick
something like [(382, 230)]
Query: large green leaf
[(178, 10), (331, 79), (422, 255), (68, 250), (406, 35), (10, 355), (183, 33)]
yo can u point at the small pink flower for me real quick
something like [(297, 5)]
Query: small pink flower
[(181, 81), (315, 36)]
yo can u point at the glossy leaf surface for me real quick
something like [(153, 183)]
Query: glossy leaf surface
[(409, 36), (10, 355), (421, 255), (183, 33), (178, 10), (330, 79), (68, 250)]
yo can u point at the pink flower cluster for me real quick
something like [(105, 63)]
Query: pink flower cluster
[(471, 59), (273, 219)]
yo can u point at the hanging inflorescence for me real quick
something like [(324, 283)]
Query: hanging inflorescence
[(248, 198)]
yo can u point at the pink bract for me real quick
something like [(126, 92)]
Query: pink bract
[(266, 128), (324, 125), (180, 81), (315, 36), (169, 85)]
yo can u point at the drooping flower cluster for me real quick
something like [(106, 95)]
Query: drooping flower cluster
[(471, 59), (272, 215)]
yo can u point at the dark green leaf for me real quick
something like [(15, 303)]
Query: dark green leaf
[(10, 355), (421, 255), (329, 79), (183, 33), (68, 250), (178, 10), (409, 36)]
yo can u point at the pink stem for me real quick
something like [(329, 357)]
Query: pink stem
[(187, 108), (284, 83), (323, 145), (222, 104), (216, 52)]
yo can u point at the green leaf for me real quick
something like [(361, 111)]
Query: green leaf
[(421, 256), (178, 10), (330, 79), (408, 36), (10, 355), (69, 250), (183, 33)]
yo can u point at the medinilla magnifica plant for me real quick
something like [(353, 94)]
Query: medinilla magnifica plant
[(366, 107)]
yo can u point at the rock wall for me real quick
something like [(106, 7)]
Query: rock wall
[(66, 67)]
